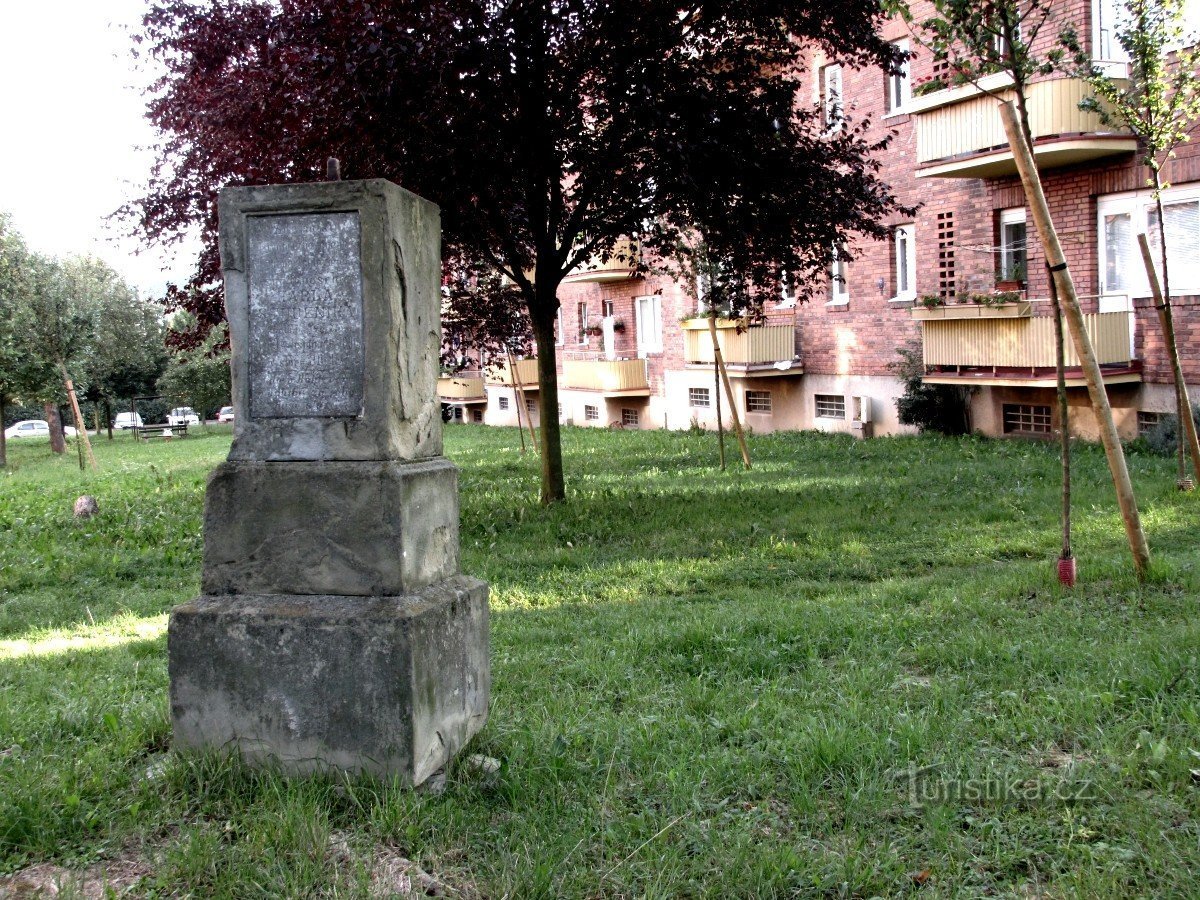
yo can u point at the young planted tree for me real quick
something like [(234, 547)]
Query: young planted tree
[(199, 377), (546, 132), (1160, 104), (979, 39), (14, 286)]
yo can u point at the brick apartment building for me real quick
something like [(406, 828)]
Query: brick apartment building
[(630, 355)]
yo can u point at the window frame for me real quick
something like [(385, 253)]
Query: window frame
[(839, 288), (1138, 205), (591, 413), (830, 401), (899, 84), (760, 397), (581, 312), (694, 398), (908, 231), (1013, 215), (833, 102), (652, 342)]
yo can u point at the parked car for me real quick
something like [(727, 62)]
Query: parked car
[(35, 428), (226, 414), (183, 415), (127, 420), (28, 428)]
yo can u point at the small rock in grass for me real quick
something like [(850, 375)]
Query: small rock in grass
[(435, 784), (486, 765), (86, 507)]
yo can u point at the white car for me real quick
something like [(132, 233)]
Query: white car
[(127, 420), (226, 414), (183, 415), (35, 428)]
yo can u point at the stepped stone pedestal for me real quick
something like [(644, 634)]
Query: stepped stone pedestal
[(335, 631)]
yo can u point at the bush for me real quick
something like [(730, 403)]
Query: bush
[(931, 407), (1163, 438)]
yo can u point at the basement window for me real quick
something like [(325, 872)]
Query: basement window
[(591, 413), (1148, 421), (1025, 418), (502, 402), (758, 401), (830, 406), (630, 418), (699, 397)]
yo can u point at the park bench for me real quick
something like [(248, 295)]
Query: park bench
[(163, 430)]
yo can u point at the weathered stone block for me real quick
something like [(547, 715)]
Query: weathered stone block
[(333, 296), (354, 528), (389, 686)]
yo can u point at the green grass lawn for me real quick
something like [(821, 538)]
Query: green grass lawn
[(849, 672)]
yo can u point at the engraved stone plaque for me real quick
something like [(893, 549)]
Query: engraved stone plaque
[(305, 348)]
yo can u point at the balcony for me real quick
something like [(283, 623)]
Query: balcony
[(960, 133), (611, 377), (757, 350), (525, 375), (462, 388), (621, 266), (1020, 351)]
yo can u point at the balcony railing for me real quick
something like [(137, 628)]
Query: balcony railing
[(756, 345), (526, 374), (964, 137), (609, 376), (461, 387), (621, 265), (1019, 347)]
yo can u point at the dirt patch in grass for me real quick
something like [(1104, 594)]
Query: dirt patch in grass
[(96, 882), (391, 874)]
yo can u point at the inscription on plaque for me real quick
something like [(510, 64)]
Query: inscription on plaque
[(306, 331)]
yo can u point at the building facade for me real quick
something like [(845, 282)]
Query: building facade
[(632, 353)]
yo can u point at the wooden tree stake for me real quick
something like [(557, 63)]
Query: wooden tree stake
[(1079, 336), (719, 362)]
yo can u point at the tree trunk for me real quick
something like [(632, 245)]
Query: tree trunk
[(3, 439), (108, 418), (553, 487), (1079, 336), (1064, 430), (57, 443)]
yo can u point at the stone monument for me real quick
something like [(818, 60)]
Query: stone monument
[(334, 630)]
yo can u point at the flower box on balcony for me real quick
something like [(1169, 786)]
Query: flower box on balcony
[(973, 311)]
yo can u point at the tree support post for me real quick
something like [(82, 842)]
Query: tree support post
[(1187, 425), (1061, 274), (719, 362), (80, 426)]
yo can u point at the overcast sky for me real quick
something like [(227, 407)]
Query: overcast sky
[(72, 126)]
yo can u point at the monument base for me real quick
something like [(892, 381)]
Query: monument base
[(390, 686)]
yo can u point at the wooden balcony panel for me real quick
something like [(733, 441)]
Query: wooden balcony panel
[(1021, 343), (459, 387), (966, 139), (615, 376), (760, 345), (526, 372), (622, 265)]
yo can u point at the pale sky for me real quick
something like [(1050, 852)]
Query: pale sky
[(72, 124)]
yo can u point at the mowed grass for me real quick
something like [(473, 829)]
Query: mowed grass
[(704, 684)]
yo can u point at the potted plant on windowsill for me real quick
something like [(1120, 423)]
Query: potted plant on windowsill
[(1002, 305), (1011, 281), (593, 330)]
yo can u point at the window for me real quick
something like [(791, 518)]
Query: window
[(905, 262), (582, 312), (839, 289), (831, 97), (502, 402), (456, 414), (1024, 418), (1147, 421), (630, 418), (1122, 216), (1012, 244), (899, 85), (531, 404), (758, 401), (608, 308), (477, 415), (591, 413), (559, 340), (560, 410), (699, 398), (830, 406), (649, 324)]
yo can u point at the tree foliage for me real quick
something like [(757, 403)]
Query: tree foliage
[(545, 132), (199, 377)]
